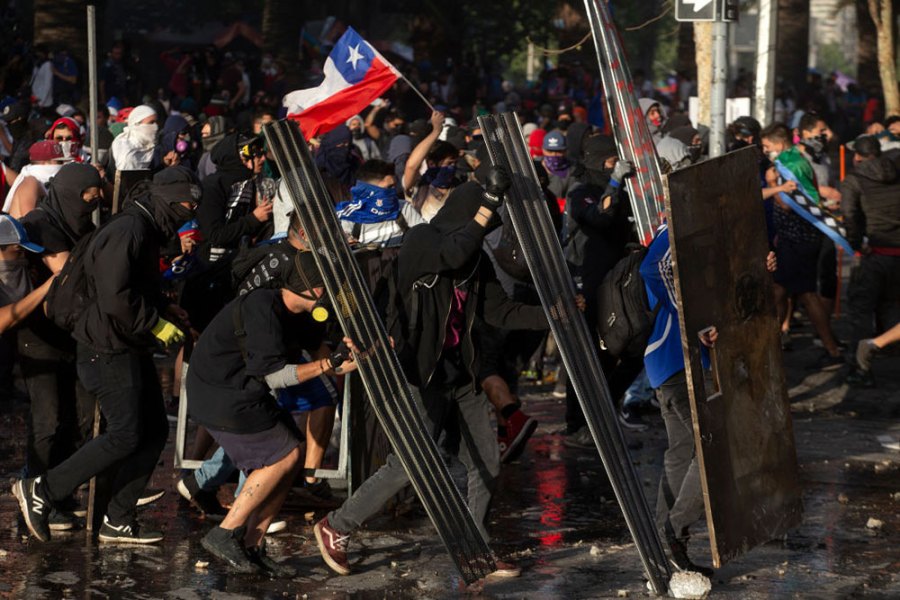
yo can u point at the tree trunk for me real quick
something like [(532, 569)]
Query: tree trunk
[(882, 12), (867, 48), (792, 48), (703, 44)]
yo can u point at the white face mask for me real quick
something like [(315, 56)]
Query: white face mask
[(773, 155), (144, 133)]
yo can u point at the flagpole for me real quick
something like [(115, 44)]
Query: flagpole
[(418, 93)]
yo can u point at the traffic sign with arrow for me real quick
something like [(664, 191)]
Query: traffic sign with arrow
[(695, 10)]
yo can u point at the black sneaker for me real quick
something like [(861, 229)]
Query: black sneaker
[(204, 501), (132, 533), (150, 495), (228, 546), (35, 508), (580, 439), (630, 420), (268, 566), (60, 521), (680, 560)]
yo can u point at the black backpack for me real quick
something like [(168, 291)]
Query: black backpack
[(71, 292), (624, 317)]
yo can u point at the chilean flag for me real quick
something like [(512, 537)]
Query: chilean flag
[(355, 75)]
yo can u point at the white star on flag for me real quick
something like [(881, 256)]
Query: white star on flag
[(355, 56)]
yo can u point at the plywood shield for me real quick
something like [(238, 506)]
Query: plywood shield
[(742, 420)]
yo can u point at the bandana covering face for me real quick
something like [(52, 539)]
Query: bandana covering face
[(440, 177), (370, 204), (15, 283), (557, 165)]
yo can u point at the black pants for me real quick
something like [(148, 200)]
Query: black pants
[(127, 387), (62, 411), (873, 298)]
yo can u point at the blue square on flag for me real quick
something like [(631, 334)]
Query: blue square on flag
[(352, 57)]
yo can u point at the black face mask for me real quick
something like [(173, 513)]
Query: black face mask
[(181, 213), (358, 134), (694, 152)]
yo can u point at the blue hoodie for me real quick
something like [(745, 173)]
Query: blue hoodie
[(664, 356)]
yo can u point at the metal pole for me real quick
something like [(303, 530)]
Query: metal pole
[(92, 88), (766, 39), (719, 87)]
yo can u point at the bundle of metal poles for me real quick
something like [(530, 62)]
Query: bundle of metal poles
[(380, 370), (544, 256), (627, 121)]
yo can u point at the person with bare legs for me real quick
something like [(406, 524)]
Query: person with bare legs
[(240, 358)]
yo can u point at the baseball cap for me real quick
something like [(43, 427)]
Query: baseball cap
[(12, 232), (555, 141), (305, 275), (865, 145), (46, 150), (16, 111)]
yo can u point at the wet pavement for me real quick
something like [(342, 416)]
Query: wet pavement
[(555, 515)]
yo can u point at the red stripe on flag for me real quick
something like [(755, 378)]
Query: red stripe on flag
[(336, 109)]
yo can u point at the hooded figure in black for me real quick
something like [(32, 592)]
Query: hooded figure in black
[(126, 318), (598, 215), (63, 216), (338, 160), (446, 280), (122, 263), (61, 411), (229, 198)]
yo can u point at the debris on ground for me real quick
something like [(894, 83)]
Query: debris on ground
[(874, 523), (843, 499), (201, 564), (595, 550), (621, 593), (687, 584)]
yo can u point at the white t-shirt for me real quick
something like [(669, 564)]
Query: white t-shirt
[(42, 84)]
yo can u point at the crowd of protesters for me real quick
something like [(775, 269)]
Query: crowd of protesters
[(205, 245)]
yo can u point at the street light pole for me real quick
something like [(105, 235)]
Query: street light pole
[(719, 89)]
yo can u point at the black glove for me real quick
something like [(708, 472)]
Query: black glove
[(339, 356), (496, 185)]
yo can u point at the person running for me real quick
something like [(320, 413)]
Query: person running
[(117, 331)]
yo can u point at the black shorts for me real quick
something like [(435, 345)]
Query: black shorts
[(249, 451), (798, 266)]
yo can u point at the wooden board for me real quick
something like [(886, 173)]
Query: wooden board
[(742, 426), (124, 181)]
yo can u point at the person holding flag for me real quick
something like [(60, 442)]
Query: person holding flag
[(800, 220)]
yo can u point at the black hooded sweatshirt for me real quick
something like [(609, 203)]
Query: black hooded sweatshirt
[(57, 223), (435, 258), (870, 201), (223, 226), (122, 265), (61, 218)]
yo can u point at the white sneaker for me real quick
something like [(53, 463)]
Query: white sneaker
[(276, 526)]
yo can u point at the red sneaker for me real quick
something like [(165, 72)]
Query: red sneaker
[(519, 427), (333, 547)]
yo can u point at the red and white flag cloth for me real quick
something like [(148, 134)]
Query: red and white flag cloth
[(355, 75)]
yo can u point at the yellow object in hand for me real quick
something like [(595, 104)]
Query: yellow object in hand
[(167, 332)]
